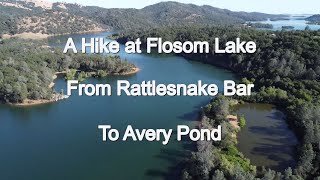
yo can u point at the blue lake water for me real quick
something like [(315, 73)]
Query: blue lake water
[(297, 22), (62, 141)]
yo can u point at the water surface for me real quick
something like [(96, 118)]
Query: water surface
[(297, 22), (266, 139), (62, 141)]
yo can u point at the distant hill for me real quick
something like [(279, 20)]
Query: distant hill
[(165, 11), (167, 14), (315, 19), (39, 16)]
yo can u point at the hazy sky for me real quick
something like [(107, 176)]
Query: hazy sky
[(268, 6)]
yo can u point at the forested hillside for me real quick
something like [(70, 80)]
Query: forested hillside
[(286, 72), (59, 18), (166, 14), (315, 19)]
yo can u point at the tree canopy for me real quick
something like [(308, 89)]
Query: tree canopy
[(27, 68), (286, 72)]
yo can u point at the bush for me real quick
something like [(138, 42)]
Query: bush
[(242, 121)]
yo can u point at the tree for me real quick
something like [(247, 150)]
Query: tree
[(242, 121), (305, 165), (185, 176), (71, 74), (307, 28), (218, 175)]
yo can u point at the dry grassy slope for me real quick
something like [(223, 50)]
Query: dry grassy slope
[(38, 16), (57, 23)]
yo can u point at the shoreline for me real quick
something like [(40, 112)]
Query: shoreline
[(133, 71), (58, 97), (28, 103)]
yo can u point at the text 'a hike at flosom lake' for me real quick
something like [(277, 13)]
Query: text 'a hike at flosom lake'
[(101, 45)]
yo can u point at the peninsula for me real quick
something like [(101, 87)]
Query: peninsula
[(28, 78)]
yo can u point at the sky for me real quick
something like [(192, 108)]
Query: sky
[(266, 6)]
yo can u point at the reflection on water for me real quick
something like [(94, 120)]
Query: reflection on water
[(266, 139)]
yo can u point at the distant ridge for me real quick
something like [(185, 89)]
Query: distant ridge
[(314, 19), (40, 16)]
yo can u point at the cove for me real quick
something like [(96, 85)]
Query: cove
[(271, 143)]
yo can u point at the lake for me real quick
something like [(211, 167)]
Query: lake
[(296, 21), (271, 143), (62, 140)]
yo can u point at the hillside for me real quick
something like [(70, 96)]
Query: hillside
[(166, 14), (39, 16), (190, 13), (315, 19), (18, 17)]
